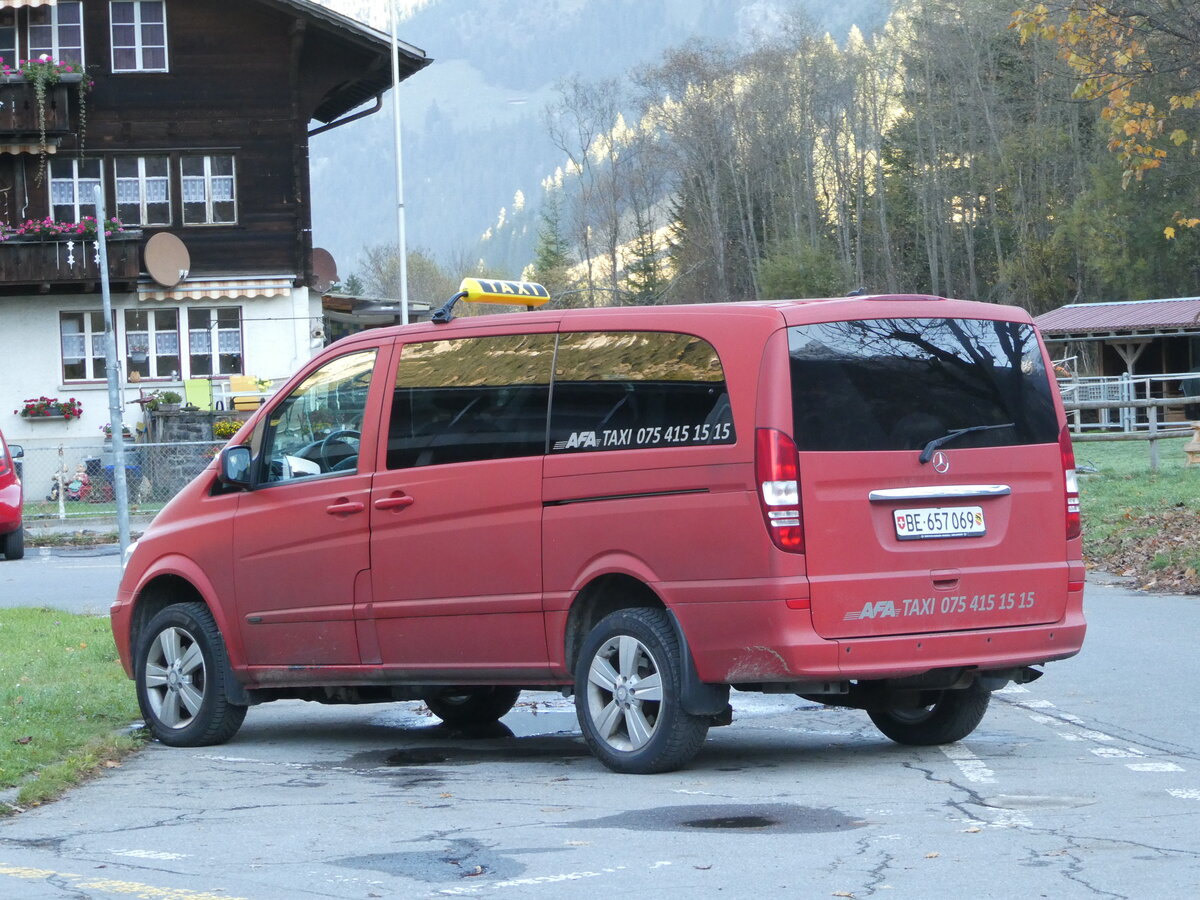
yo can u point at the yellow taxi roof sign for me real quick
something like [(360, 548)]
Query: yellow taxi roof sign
[(520, 293)]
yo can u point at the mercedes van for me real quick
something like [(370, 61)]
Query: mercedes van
[(868, 501)]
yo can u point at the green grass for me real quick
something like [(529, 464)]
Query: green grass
[(65, 703), (48, 509), (1125, 501)]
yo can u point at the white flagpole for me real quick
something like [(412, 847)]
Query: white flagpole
[(400, 236)]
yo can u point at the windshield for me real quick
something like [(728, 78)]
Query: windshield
[(897, 384)]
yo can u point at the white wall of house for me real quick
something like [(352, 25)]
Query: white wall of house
[(277, 338)]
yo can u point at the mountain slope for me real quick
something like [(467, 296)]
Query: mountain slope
[(473, 133)]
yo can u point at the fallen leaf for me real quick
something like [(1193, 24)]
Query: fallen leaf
[(974, 830), (111, 764), (444, 796), (933, 855), (474, 873), (28, 739), (842, 894), (703, 868), (579, 843)]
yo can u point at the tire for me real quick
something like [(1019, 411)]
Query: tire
[(627, 695), (181, 675), (472, 705), (14, 544), (953, 716)]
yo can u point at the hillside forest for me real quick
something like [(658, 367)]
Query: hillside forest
[(1032, 154)]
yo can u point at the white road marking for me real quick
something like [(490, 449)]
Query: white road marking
[(1154, 767), (1117, 752), (1185, 793), (149, 854), (969, 764)]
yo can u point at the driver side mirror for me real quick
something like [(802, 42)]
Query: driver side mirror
[(16, 451), (235, 467)]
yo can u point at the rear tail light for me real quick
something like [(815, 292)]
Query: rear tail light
[(777, 469), (1072, 482)]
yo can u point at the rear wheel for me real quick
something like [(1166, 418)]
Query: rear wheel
[(13, 544), (948, 718), (472, 706), (627, 695), (181, 671)]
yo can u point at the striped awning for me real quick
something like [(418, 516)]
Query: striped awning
[(31, 147), (219, 288), (13, 4)]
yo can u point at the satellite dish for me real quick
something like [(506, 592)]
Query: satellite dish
[(324, 269), (167, 259)]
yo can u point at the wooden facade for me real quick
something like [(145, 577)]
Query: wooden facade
[(242, 81)]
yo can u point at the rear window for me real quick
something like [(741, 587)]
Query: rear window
[(896, 384)]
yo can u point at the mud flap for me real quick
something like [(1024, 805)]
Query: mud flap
[(698, 698)]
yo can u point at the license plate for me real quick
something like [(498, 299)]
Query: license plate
[(939, 522)]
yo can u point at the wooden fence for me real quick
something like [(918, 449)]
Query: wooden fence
[(1153, 433)]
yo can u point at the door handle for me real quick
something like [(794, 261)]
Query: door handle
[(396, 502), (345, 507)]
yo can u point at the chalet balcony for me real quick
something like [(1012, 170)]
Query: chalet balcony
[(37, 264), (19, 108)]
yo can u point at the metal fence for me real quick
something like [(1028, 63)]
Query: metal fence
[(1093, 401), (77, 481)]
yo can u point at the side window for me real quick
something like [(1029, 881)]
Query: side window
[(143, 190), (82, 336), (152, 342), (72, 188), (316, 429), (139, 35), (209, 190), (56, 30), (626, 390), (470, 399)]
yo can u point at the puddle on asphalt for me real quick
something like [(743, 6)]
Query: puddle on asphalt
[(775, 818), (742, 823), (466, 859)]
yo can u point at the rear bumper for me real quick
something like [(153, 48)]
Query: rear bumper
[(10, 508), (753, 642)]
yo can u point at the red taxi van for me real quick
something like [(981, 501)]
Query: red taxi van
[(866, 501)]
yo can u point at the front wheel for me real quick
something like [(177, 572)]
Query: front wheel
[(627, 695), (472, 706), (949, 718), (181, 671)]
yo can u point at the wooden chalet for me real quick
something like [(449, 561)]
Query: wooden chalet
[(194, 118)]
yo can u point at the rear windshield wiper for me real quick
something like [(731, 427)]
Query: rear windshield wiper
[(927, 453)]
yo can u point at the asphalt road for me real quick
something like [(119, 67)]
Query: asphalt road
[(1084, 784), (73, 580)]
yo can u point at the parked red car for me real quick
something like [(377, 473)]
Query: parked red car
[(12, 534)]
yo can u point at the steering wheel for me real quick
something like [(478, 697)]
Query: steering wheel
[(339, 436)]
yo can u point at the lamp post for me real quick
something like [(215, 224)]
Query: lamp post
[(120, 485), (400, 236)]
